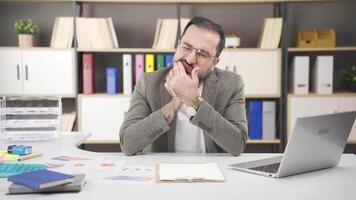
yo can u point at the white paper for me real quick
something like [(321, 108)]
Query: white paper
[(206, 171)]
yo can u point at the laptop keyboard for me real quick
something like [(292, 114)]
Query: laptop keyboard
[(271, 168), (8, 169)]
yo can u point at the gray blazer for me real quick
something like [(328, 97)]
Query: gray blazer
[(221, 116)]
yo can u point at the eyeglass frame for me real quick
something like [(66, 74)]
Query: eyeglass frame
[(197, 51)]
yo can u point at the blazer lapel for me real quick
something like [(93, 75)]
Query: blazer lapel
[(209, 94), (166, 98), (209, 88)]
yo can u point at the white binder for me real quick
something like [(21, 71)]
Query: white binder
[(269, 120), (323, 75), (300, 75), (127, 73)]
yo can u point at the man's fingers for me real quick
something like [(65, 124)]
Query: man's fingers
[(195, 74), (181, 68)]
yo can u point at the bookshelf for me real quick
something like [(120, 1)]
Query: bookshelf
[(247, 14)]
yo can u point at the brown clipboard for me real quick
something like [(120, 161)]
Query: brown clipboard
[(183, 179)]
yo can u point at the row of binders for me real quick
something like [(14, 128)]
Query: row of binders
[(133, 66), (321, 75), (90, 33), (261, 119)]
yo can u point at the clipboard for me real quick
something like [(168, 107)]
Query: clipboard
[(212, 175)]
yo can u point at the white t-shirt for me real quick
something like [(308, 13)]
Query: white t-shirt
[(188, 138)]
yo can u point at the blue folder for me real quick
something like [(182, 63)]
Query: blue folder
[(255, 119), (168, 60), (111, 80)]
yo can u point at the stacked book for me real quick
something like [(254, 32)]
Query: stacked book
[(167, 31), (271, 33), (62, 34), (94, 33), (43, 181), (68, 120)]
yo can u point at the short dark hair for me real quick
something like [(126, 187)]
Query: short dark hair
[(207, 24)]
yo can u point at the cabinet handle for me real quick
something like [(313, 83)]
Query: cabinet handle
[(235, 69), (26, 68), (18, 71)]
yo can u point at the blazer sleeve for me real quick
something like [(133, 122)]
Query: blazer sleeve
[(141, 126), (229, 129)]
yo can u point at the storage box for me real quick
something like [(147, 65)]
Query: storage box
[(325, 38), (313, 38), (306, 38)]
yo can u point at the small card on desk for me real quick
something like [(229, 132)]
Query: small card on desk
[(182, 172), (41, 179)]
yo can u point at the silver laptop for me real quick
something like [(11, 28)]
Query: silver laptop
[(316, 143)]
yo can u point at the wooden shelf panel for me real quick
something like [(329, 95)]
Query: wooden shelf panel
[(275, 141), (103, 95), (33, 48), (351, 141), (101, 141), (323, 95), (257, 96), (128, 50), (350, 48), (150, 50), (247, 96)]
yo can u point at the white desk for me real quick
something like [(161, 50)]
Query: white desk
[(335, 183)]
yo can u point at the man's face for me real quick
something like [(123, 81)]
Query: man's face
[(197, 48)]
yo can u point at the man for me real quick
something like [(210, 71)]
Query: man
[(190, 106)]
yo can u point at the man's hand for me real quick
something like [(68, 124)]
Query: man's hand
[(170, 110), (182, 85)]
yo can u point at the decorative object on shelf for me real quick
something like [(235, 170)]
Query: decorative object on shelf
[(232, 40), (313, 38), (348, 74), (26, 29)]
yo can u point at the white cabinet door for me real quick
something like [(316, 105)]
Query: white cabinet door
[(260, 71), (10, 72), (102, 115), (224, 61), (309, 106), (49, 72), (349, 104)]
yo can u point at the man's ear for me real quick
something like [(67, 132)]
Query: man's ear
[(216, 61)]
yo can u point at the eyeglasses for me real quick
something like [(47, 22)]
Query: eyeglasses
[(200, 54)]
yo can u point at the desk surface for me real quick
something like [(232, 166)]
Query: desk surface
[(334, 183)]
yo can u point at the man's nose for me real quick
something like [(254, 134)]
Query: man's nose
[(191, 58)]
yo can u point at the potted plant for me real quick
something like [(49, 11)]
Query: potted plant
[(26, 29), (349, 75)]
